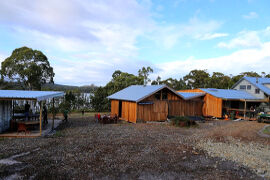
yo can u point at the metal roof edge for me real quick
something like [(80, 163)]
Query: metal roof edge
[(257, 86), (175, 92), (162, 86), (121, 99), (58, 94), (231, 98), (238, 82), (199, 95)]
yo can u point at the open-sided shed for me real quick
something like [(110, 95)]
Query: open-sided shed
[(218, 100), (8, 96), (154, 103)]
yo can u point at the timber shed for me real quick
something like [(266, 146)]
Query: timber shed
[(217, 101), (8, 97), (138, 103)]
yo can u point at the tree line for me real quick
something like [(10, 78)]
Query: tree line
[(194, 79)]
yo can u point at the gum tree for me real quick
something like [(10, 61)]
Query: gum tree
[(28, 67)]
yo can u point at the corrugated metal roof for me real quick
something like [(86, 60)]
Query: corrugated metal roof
[(191, 95), (139, 92), (136, 92), (230, 94), (261, 83), (37, 95)]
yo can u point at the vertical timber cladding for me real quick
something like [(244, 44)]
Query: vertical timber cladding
[(158, 110), (129, 111), (181, 107), (212, 105), (186, 107), (114, 107)]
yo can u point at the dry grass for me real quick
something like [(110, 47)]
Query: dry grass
[(246, 131)]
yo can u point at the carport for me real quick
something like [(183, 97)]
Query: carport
[(8, 98)]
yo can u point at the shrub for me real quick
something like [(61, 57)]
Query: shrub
[(182, 121)]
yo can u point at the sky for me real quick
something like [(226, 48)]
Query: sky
[(86, 40)]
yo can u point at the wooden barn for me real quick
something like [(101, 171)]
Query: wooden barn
[(138, 103), (220, 101)]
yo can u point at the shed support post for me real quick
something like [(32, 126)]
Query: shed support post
[(40, 118), (245, 109), (53, 115)]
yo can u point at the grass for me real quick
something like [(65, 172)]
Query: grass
[(87, 114), (58, 134), (78, 114), (267, 130)]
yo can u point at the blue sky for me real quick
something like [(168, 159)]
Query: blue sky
[(86, 41)]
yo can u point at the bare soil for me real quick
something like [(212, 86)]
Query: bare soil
[(83, 149)]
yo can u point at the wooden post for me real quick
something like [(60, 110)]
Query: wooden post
[(13, 106), (245, 110), (53, 116), (40, 119)]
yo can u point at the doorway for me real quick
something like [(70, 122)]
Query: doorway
[(120, 109)]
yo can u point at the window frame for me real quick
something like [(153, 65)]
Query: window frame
[(257, 91), (243, 87)]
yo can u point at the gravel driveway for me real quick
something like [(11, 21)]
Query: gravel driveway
[(82, 149)]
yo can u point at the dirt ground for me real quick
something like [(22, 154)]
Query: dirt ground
[(83, 149)]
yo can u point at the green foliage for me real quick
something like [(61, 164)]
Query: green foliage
[(58, 134), (77, 89), (99, 100), (28, 67), (220, 81), (144, 73), (120, 80), (197, 79), (173, 83)]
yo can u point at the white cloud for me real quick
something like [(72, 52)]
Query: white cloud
[(244, 39), (95, 71), (86, 41), (94, 37), (209, 36), (240, 61), (169, 35), (251, 15), (2, 57)]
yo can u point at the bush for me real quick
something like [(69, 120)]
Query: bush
[(182, 121)]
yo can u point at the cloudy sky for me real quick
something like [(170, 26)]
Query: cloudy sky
[(86, 41)]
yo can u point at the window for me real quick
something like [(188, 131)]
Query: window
[(249, 87), (257, 91), (164, 96), (157, 95), (243, 87)]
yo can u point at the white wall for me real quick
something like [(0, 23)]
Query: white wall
[(252, 90)]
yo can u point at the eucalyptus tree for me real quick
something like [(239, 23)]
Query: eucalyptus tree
[(28, 67)]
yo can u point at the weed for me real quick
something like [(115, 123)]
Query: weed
[(58, 134), (267, 130)]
